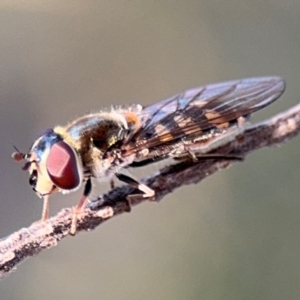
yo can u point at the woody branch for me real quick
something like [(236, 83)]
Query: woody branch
[(39, 236)]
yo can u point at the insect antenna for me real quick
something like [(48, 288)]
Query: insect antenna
[(19, 156)]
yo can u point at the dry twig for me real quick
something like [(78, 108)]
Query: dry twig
[(29, 241)]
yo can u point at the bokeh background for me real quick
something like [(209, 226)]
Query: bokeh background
[(235, 235)]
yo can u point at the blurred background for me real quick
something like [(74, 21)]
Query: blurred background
[(234, 235)]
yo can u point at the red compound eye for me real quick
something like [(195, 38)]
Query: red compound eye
[(62, 166)]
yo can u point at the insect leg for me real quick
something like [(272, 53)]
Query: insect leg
[(81, 205), (45, 211), (199, 150), (197, 156), (218, 156), (148, 192), (112, 184), (241, 121)]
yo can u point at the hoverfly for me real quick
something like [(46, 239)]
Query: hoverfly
[(99, 145)]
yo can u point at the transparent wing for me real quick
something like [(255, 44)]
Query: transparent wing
[(200, 109)]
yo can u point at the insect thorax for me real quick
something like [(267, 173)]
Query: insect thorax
[(95, 137)]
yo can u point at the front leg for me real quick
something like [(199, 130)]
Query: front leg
[(81, 205)]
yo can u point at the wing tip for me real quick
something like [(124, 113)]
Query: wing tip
[(278, 83), (274, 88), (267, 89)]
